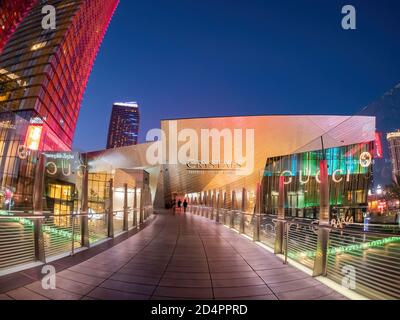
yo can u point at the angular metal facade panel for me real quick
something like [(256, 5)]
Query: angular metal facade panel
[(274, 136)]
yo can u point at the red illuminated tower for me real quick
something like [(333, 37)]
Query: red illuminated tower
[(11, 13), (43, 73)]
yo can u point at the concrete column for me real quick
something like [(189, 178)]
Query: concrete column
[(85, 207), (321, 258), (126, 212), (110, 209), (243, 210), (280, 224)]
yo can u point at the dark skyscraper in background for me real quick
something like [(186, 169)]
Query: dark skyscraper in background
[(43, 72), (124, 125)]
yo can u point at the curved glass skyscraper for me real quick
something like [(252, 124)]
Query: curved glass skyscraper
[(11, 13), (43, 72), (43, 75)]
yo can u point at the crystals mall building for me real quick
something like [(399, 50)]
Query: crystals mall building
[(199, 158)]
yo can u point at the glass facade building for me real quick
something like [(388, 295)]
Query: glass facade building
[(349, 171), (124, 125), (11, 13), (17, 165), (43, 75), (46, 71)]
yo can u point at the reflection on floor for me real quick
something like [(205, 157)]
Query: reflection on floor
[(181, 256)]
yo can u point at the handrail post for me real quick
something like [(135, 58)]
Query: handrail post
[(257, 222), (125, 222), (110, 210), (40, 254), (321, 258), (218, 207), (85, 242), (37, 197), (38, 187), (224, 209), (213, 205), (280, 223), (73, 235), (256, 230), (135, 208), (233, 209), (141, 211), (207, 204), (242, 213), (287, 229), (241, 228)]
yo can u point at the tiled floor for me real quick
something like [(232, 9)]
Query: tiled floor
[(181, 256)]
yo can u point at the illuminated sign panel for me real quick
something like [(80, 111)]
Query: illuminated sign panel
[(33, 135)]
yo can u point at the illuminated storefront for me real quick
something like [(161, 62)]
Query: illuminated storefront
[(349, 171), (272, 146)]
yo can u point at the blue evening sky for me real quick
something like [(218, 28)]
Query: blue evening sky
[(198, 58)]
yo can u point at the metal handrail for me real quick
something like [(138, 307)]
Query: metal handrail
[(301, 244)]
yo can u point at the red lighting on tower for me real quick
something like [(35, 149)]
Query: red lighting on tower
[(378, 145)]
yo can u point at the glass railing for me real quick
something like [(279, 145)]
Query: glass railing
[(370, 251), (31, 238)]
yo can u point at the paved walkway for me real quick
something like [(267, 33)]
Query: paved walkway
[(181, 256)]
